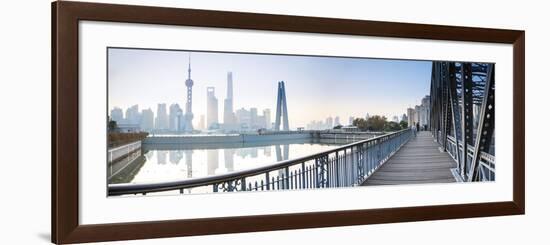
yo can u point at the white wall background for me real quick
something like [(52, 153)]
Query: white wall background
[(25, 119)]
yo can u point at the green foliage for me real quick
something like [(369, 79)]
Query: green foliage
[(404, 124), (392, 126), (360, 123), (378, 123), (337, 127), (112, 125), (374, 123)]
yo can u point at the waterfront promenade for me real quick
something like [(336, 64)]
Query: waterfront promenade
[(419, 161)]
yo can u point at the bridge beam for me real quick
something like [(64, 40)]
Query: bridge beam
[(462, 114), (457, 129), (449, 76), (486, 124), (467, 115)]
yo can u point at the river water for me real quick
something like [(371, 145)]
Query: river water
[(160, 163)]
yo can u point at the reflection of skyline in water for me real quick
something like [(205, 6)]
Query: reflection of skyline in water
[(228, 159), (175, 156), (189, 163), (161, 157), (193, 163)]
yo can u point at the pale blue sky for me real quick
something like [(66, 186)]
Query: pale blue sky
[(316, 87)]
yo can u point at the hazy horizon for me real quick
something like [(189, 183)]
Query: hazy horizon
[(316, 87)]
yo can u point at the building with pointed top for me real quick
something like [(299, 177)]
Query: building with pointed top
[(187, 125), (229, 120)]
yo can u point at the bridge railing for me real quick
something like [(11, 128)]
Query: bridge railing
[(486, 162), (347, 165)]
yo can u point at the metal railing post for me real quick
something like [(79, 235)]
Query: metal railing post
[(336, 169)]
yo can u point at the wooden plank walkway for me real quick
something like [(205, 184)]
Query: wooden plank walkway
[(418, 161)]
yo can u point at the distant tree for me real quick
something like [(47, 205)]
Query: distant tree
[(376, 123), (392, 126), (404, 124), (111, 124), (337, 127), (373, 123), (360, 123)]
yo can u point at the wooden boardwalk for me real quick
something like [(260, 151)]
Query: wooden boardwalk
[(418, 161)]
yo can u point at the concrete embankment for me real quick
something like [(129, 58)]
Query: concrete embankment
[(224, 139), (348, 136)]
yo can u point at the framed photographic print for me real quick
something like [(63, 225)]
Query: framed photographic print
[(176, 122)]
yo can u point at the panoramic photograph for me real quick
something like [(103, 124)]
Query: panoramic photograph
[(185, 122)]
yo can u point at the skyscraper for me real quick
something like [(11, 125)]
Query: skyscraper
[(282, 111), (202, 123), (211, 107), (116, 115), (328, 122), (411, 115), (174, 115), (188, 118), (243, 118), (417, 114), (147, 120), (228, 115), (254, 118), (395, 119), (260, 123), (337, 121), (132, 115), (267, 116), (161, 122), (424, 114)]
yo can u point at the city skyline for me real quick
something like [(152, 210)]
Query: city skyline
[(150, 77), (146, 117)]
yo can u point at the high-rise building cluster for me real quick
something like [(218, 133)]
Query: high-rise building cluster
[(171, 120), (239, 120), (420, 113), (175, 119), (328, 123), (251, 120)]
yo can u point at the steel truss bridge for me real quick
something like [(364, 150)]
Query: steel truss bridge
[(461, 114)]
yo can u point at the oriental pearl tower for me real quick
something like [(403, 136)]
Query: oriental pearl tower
[(188, 117)]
